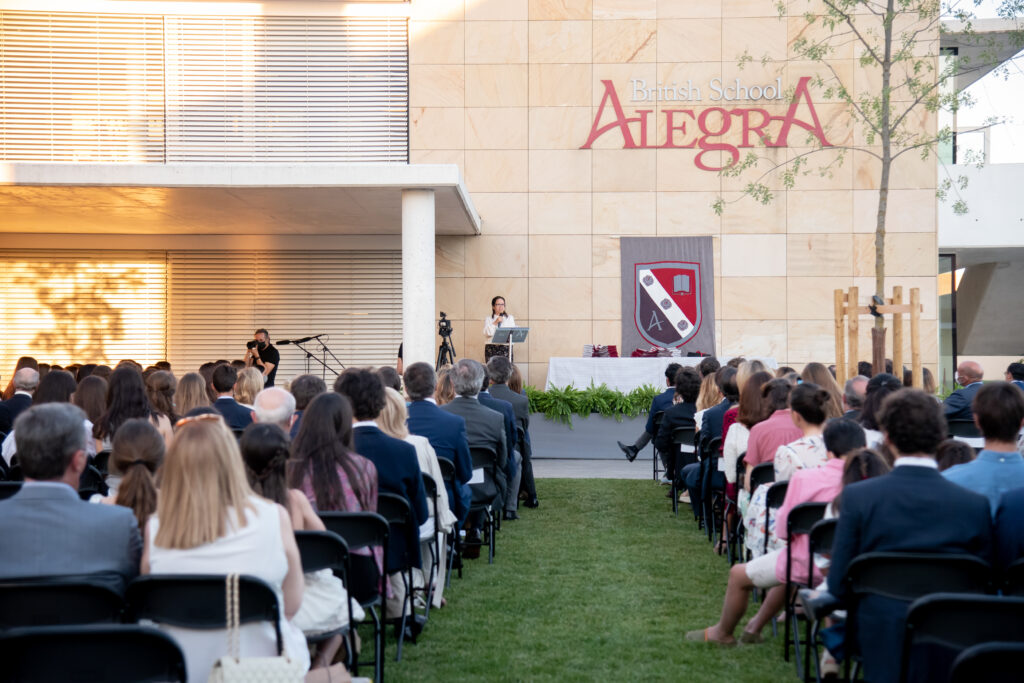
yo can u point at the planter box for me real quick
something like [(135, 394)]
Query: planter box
[(592, 437)]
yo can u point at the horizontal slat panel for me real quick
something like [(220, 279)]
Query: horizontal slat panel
[(136, 88)]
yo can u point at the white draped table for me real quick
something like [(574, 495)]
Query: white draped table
[(622, 374)]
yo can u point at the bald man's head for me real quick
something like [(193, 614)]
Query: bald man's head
[(274, 405), (969, 372), (26, 379)]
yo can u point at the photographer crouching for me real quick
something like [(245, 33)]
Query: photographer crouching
[(263, 355)]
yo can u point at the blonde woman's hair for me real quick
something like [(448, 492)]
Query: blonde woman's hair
[(445, 391), (817, 373), (250, 383), (203, 478), (191, 393), (709, 395), (392, 418), (745, 370)]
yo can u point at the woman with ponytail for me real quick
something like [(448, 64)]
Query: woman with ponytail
[(136, 455)]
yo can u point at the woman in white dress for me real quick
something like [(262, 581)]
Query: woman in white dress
[(209, 521), (392, 422), (808, 404), (498, 318)]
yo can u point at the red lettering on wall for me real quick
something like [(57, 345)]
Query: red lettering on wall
[(711, 124)]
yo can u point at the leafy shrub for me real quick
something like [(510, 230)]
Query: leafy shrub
[(559, 404)]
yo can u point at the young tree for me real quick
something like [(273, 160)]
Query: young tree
[(896, 45)]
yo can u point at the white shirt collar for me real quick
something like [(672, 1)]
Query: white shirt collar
[(23, 393), (364, 423), (431, 399), (916, 461)]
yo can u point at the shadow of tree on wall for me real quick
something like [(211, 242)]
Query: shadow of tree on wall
[(81, 299)]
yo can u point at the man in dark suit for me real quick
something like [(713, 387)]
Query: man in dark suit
[(235, 414), (484, 428), (713, 418), (25, 382), (658, 404), (398, 469), (499, 370), (45, 528), (957, 405), (853, 397), (446, 432), (680, 414), (513, 469), (912, 509)]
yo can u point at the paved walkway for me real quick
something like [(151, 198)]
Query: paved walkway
[(550, 468)]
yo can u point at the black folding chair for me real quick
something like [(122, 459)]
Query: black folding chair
[(941, 625), (989, 662), (657, 464), (486, 459), (57, 601), (5, 469), (733, 522), (711, 496), (9, 488), (1013, 579), (91, 482), (454, 541), (101, 461), (395, 509), (435, 544), (773, 501), (820, 540), (326, 550), (906, 577), (761, 474), (58, 654), (800, 522), (682, 439), (963, 428), (364, 530)]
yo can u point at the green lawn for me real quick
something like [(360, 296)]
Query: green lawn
[(598, 584)]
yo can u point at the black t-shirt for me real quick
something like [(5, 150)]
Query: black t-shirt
[(269, 355)]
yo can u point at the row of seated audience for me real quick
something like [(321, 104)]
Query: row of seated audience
[(209, 474), (927, 492)]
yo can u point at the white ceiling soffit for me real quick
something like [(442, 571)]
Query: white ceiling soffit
[(988, 44), (227, 198)]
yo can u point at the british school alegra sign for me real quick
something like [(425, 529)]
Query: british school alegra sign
[(707, 129)]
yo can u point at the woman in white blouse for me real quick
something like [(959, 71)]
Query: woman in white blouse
[(498, 318)]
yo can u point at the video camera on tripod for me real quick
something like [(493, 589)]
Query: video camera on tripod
[(446, 352)]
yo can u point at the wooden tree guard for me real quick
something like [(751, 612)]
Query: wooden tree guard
[(847, 331)]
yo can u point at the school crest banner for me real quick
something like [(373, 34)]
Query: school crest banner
[(668, 294)]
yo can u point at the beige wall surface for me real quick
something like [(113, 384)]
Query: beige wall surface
[(509, 89)]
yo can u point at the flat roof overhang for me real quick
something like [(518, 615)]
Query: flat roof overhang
[(227, 199)]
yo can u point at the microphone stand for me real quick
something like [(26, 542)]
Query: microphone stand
[(324, 350), (309, 355)]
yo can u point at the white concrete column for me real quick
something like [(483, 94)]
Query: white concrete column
[(419, 308)]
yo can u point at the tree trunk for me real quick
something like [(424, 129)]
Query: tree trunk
[(878, 350)]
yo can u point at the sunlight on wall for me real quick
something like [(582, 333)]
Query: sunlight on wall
[(66, 308)]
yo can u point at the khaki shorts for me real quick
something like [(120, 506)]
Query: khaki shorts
[(761, 570)]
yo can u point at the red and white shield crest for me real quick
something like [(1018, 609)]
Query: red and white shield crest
[(667, 309)]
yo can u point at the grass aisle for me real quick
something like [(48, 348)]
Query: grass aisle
[(598, 584)]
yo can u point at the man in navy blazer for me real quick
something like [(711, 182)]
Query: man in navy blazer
[(45, 528), (235, 414), (446, 432), (25, 382), (659, 403), (957, 405), (499, 370), (398, 469), (912, 509)]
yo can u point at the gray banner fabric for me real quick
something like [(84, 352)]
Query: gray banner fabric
[(668, 294)]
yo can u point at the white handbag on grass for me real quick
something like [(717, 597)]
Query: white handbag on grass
[(234, 669)]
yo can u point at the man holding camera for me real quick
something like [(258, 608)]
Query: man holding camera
[(263, 355)]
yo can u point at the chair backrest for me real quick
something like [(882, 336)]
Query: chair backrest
[(447, 471), (430, 486), (762, 474), (658, 417), (393, 508), (776, 494), (101, 462), (90, 653), (358, 529), (198, 601), (940, 625), (5, 469), (822, 536), (964, 428), (520, 438), (989, 662), (1013, 579), (9, 488), (56, 602), (684, 438), (91, 482), (322, 550), (803, 517), (711, 448), (908, 576), (483, 457)]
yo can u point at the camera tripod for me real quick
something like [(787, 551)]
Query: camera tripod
[(445, 352)]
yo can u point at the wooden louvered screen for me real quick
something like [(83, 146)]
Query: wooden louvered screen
[(81, 87), (217, 299), (89, 307), (133, 88)]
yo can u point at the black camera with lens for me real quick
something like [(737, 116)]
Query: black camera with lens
[(250, 344), (444, 326)]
